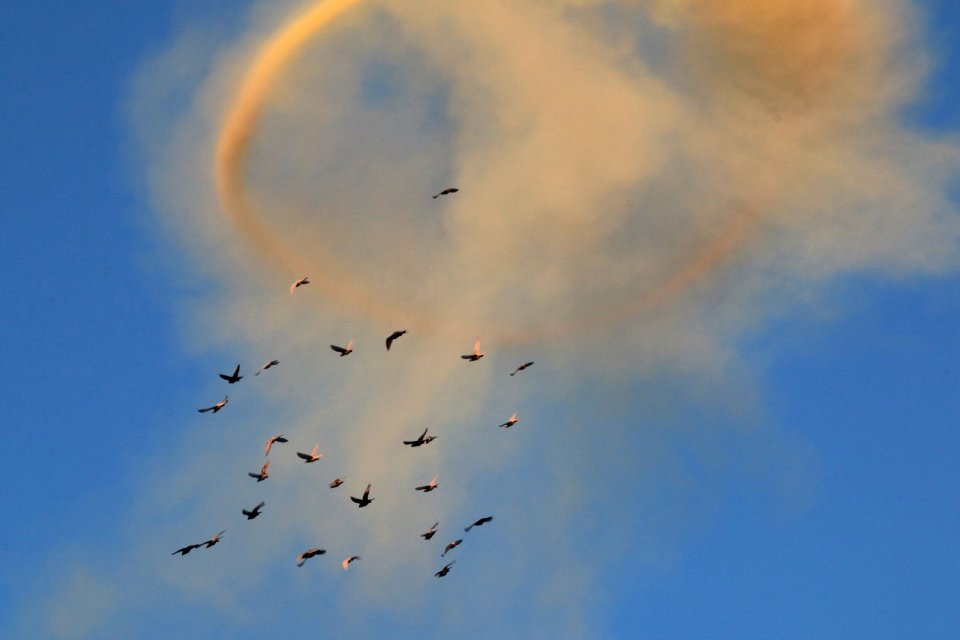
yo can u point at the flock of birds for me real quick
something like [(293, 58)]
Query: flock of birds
[(314, 455)]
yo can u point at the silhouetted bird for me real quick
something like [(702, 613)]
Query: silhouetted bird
[(450, 547), (393, 336), (232, 378), (214, 540), (365, 500), (263, 475), (253, 513), (477, 354), (445, 570), (336, 483), (266, 450), (310, 457), (445, 192), (185, 550), (346, 561), (272, 363), (299, 283), (309, 553), (479, 522), (430, 532), (216, 407), (509, 423), (343, 351), (525, 365), (422, 440), (427, 488)]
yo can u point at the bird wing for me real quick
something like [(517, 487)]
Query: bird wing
[(224, 376), (357, 500), (476, 347), (340, 350), (205, 410), (303, 456), (367, 492)]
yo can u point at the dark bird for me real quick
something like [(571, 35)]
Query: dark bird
[(422, 440), (445, 570), (216, 407), (479, 522), (299, 283), (450, 547), (427, 488), (430, 532), (393, 336), (253, 513), (272, 363), (309, 553), (346, 561), (365, 500), (185, 550), (232, 378), (214, 540), (343, 351), (446, 192), (336, 483), (510, 422), (477, 354), (310, 457), (266, 450), (525, 365), (263, 475)]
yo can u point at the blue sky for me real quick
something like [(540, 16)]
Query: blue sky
[(829, 509)]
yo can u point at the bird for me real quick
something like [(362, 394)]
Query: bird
[(214, 540), (336, 483), (422, 440), (346, 561), (343, 351), (185, 550), (445, 570), (525, 365), (272, 363), (263, 475), (309, 553), (216, 407), (393, 336), (310, 457), (430, 532), (232, 378), (446, 191), (253, 513), (299, 283), (427, 488), (509, 423), (365, 500), (477, 354), (450, 547), (273, 439), (479, 522)]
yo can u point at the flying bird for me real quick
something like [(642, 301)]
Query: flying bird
[(430, 532), (214, 540), (266, 450), (346, 561), (253, 513), (343, 351), (216, 407), (272, 363), (310, 457), (422, 440), (365, 500), (309, 553), (185, 550), (427, 488), (477, 354), (445, 570), (263, 475), (393, 336), (446, 192), (299, 283), (479, 522), (336, 483), (234, 377), (509, 423), (525, 365), (450, 547)]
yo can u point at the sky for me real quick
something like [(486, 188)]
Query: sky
[(727, 233)]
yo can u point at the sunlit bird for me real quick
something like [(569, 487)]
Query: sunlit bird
[(422, 440), (234, 377), (336, 483), (214, 540), (253, 513), (450, 547), (309, 553), (525, 365), (343, 351), (365, 500), (430, 532), (310, 457), (346, 561), (393, 336), (263, 475), (266, 449), (266, 366), (299, 283), (477, 354), (509, 423), (445, 570), (480, 522), (446, 192), (216, 407), (427, 488), (187, 549)]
